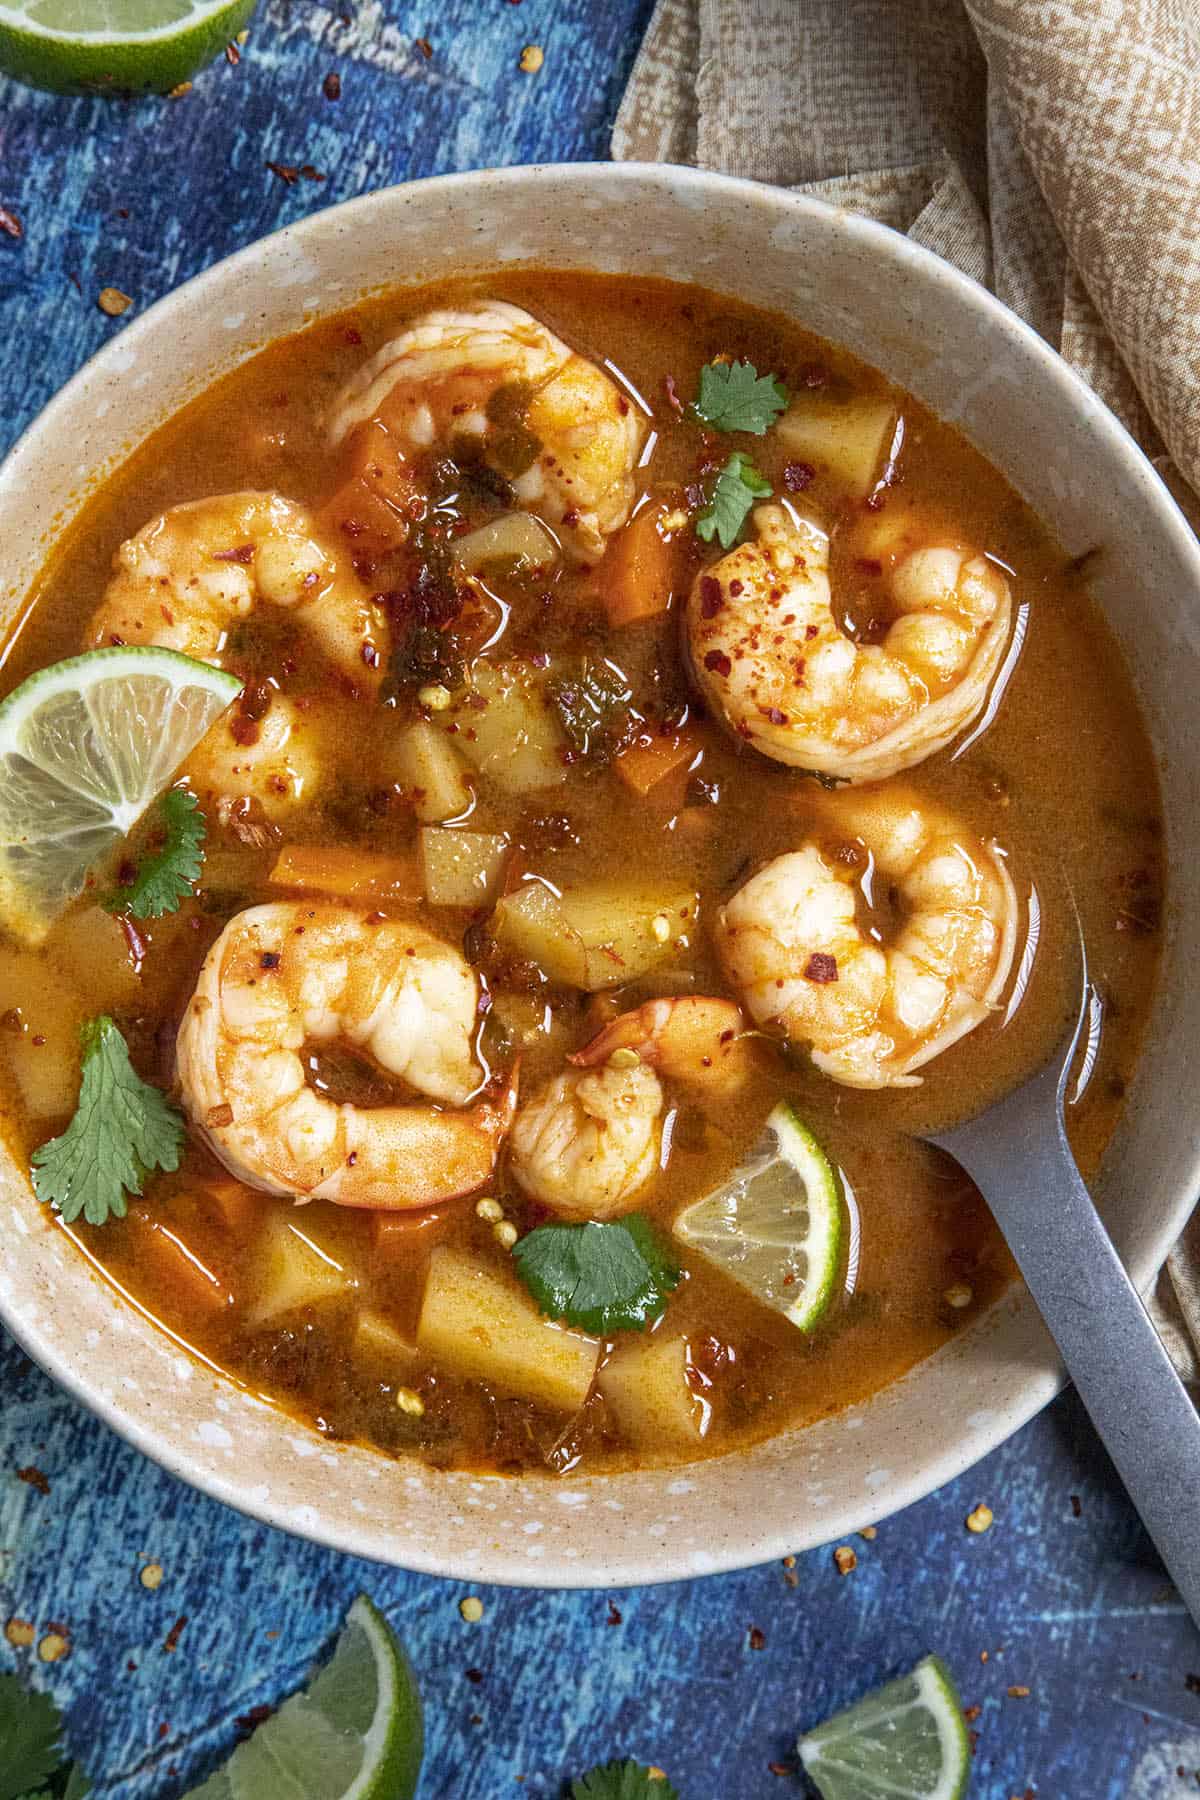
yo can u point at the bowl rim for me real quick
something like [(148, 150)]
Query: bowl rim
[(1036, 1384)]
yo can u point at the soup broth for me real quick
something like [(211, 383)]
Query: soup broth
[(359, 1319)]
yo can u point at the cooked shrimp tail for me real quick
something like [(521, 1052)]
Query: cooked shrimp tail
[(696, 1041)]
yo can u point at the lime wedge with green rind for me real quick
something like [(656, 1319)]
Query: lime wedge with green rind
[(776, 1225), (85, 746), (115, 46), (355, 1734), (906, 1741)]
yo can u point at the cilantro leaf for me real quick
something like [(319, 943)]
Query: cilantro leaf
[(735, 397), (168, 873), (737, 487), (30, 1733), (603, 1278), (122, 1129), (592, 699), (622, 1781)]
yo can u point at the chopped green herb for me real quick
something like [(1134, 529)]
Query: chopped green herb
[(622, 1781), (737, 487), (603, 1278), (123, 1128), (168, 873), (31, 1745), (592, 699), (735, 397)]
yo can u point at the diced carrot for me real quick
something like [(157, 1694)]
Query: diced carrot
[(371, 508), (239, 1207), (642, 766), (406, 1235), (181, 1268), (645, 565), (349, 874)]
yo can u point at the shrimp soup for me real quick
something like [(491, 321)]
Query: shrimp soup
[(651, 801)]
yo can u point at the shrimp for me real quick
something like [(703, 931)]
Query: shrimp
[(568, 442), (771, 658), (592, 1137), (274, 760), (871, 1013), (284, 975), (191, 573)]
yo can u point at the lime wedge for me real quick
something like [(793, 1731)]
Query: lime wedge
[(776, 1225), (906, 1741), (114, 46), (355, 1734), (85, 746)]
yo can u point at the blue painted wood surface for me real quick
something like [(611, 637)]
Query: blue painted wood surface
[(1067, 1600)]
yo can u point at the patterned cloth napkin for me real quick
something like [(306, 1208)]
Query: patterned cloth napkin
[(1049, 148)]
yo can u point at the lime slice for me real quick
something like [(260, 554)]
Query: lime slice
[(356, 1733), (114, 46), (776, 1225), (85, 746), (906, 1741)]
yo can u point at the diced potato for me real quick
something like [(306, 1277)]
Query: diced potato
[(486, 1328), (428, 764), (646, 563), (92, 945), (348, 874), (596, 937), (516, 538), (378, 1342), (645, 1387), (40, 1016), (848, 441), (530, 1023), (513, 738), (462, 868), (294, 1269)]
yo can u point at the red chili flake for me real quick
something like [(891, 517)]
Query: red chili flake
[(370, 656), (758, 1639), (780, 1768), (34, 1479), (615, 1615), (250, 1721), (243, 554), (737, 587), (270, 959), (37, 1040), (868, 565), (10, 224), (424, 46), (233, 55), (775, 716), (352, 1159), (352, 336), (672, 393), (874, 502), (711, 597), (331, 87), (171, 1641), (797, 476), (971, 1713), (474, 1676), (217, 1117), (810, 632), (718, 663), (311, 174), (821, 967), (287, 172)]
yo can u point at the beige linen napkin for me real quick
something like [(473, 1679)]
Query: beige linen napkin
[(1049, 148)]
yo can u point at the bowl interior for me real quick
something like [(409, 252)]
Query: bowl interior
[(934, 332)]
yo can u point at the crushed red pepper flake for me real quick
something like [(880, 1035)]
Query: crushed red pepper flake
[(10, 224), (757, 1639), (33, 1477), (615, 1615), (821, 967), (971, 1713), (287, 172), (233, 55), (171, 1641), (250, 1721), (424, 46), (781, 1768), (717, 663), (331, 87)]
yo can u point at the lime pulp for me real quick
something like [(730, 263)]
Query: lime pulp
[(115, 46), (85, 746), (354, 1734), (906, 1741)]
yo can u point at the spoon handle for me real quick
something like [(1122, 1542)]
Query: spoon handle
[(1116, 1359)]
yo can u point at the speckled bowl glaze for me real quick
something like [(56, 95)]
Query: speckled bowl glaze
[(965, 356)]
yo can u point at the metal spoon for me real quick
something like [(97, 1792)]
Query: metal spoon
[(1018, 1156)]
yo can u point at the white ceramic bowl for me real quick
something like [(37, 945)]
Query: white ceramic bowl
[(971, 361)]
